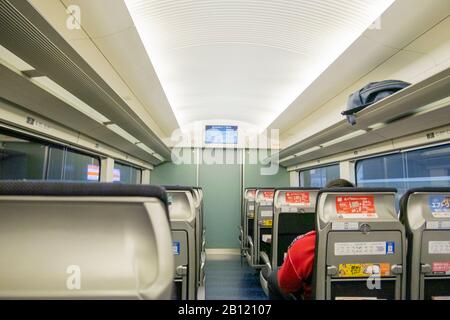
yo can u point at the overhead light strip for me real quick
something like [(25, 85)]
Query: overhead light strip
[(149, 150), (121, 132), (287, 158), (12, 61), (307, 151), (56, 90), (343, 138), (124, 134)]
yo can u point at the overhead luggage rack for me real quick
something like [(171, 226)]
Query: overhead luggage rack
[(419, 107), (25, 32)]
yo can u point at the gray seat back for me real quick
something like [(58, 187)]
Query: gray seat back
[(182, 212), (360, 251), (200, 236), (426, 212), (198, 197), (294, 215), (248, 214), (262, 224), (84, 241)]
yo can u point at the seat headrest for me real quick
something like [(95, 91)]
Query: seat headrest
[(58, 188), (179, 188), (405, 197), (297, 189), (356, 190)]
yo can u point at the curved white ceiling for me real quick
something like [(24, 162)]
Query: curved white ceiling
[(245, 60)]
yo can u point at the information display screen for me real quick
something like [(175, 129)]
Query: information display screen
[(220, 134)]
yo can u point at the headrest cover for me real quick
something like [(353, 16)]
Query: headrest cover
[(179, 188), (297, 188), (59, 188), (357, 190)]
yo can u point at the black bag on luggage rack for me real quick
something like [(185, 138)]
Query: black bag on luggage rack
[(368, 95)]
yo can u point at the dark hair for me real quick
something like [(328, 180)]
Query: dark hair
[(339, 183)]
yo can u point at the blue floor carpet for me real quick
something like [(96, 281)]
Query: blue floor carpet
[(229, 278)]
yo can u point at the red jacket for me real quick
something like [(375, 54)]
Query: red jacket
[(295, 274)]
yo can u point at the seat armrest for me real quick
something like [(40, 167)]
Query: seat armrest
[(267, 267), (250, 241), (292, 296), (265, 258)]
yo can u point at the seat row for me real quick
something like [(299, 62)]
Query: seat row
[(188, 234), (100, 241), (364, 248)]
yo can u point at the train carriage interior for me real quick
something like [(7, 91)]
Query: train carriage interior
[(225, 150)]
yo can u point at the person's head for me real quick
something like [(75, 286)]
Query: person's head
[(339, 183)]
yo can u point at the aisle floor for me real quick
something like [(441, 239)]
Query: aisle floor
[(229, 278)]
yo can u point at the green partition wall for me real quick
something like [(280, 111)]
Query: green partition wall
[(220, 183), (170, 173), (254, 174), (222, 186)]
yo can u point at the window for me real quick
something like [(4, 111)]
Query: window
[(24, 158), (69, 165), (126, 174), (21, 158), (406, 170), (384, 171), (55, 164), (81, 167), (428, 167), (319, 177)]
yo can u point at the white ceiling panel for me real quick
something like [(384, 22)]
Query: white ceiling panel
[(245, 60)]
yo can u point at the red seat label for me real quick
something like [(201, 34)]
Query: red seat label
[(356, 207), (268, 195), (297, 197)]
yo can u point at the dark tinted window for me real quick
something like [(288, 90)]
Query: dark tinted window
[(428, 167), (127, 174), (26, 158), (21, 158), (319, 177), (55, 166), (81, 167), (384, 171)]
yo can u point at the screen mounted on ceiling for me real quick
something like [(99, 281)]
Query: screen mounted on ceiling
[(219, 134)]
